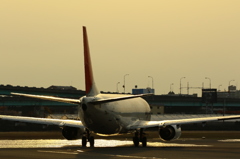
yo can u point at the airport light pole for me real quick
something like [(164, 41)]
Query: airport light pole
[(209, 81), (117, 87), (124, 81), (152, 80), (230, 82), (219, 87), (181, 84), (171, 87)]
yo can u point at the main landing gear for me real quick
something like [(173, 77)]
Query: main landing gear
[(140, 136), (87, 138)]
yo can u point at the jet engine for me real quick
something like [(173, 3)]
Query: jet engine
[(71, 133), (170, 132)]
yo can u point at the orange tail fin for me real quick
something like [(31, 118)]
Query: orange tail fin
[(91, 89)]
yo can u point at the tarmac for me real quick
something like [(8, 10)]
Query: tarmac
[(197, 145)]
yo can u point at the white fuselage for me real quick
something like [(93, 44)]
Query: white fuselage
[(113, 117)]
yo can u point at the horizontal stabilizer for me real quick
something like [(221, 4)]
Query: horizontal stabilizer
[(57, 99), (118, 98)]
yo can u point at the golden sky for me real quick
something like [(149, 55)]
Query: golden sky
[(41, 43)]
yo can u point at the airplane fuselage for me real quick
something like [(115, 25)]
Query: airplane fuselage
[(112, 117)]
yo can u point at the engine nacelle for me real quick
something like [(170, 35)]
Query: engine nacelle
[(170, 132), (71, 133)]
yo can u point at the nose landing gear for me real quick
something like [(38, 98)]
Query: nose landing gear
[(87, 138), (140, 136)]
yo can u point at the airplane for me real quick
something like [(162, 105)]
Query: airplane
[(110, 114)]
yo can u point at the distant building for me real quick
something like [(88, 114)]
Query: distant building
[(62, 87), (143, 90), (231, 93)]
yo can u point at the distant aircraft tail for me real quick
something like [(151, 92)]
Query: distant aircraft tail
[(91, 89)]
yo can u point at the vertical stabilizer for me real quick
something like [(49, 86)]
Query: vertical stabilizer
[(91, 89)]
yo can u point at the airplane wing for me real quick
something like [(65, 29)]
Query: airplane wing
[(58, 99), (45, 121), (163, 123)]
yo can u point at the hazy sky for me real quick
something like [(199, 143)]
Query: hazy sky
[(41, 43)]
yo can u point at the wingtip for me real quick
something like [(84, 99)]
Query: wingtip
[(14, 93)]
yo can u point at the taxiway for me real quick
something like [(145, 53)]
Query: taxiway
[(186, 148)]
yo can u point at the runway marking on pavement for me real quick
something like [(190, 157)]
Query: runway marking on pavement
[(58, 143), (230, 140), (61, 152)]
